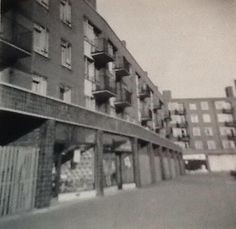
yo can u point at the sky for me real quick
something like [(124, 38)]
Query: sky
[(187, 46)]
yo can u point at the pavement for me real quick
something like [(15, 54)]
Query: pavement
[(206, 201)]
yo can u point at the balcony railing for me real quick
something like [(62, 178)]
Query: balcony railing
[(122, 67), (167, 115), (179, 111), (15, 40), (157, 106), (184, 138), (105, 87), (124, 98), (227, 110), (230, 123), (182, 124), (146, 115), (231, 136), (102, 52), (144, 92)]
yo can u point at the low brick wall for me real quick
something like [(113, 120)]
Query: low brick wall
[(20, 100)]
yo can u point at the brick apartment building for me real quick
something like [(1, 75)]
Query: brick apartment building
[(78, 115), (205, 128)]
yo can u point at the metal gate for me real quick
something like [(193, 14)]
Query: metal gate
[(18, 174)]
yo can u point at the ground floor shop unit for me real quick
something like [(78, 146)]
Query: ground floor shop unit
[(75, 152)]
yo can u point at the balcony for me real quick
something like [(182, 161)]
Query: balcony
[(183, 138), (124, 98), (159, 124), (182, 124), (122, 67), (167, 115), (227, 110), (146, 115), (231, 136), (105, 87), (103, 52), (179, 112), (144, 92), (157, 106), (15, 41), (230, 123)]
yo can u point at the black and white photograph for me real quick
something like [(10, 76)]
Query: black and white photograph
[(118, 114)]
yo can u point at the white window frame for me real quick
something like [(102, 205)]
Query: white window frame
[(66, 54), (196, 131), (66, 12), (204, 105), (39, 85), (206, 118), (208, 131), (41, 40), (194, 118), (192, 106), (198, 145), (211, 144)]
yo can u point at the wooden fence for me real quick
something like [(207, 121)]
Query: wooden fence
[(18, 174)]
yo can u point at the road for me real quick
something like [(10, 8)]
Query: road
[(197, 201)]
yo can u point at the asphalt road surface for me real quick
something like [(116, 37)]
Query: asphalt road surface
[(197, 201)]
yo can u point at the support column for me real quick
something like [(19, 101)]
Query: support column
[(176, 164), (208, 164), (45, 162), (152, 163), (163, 176), (99, 163), (182, 166), (136, 165), (168, 153)]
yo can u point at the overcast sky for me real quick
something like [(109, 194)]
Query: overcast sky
[(187, 46)]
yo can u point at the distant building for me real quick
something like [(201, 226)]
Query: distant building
[(205, 128)]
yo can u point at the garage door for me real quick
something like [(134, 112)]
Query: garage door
[(222, 162)]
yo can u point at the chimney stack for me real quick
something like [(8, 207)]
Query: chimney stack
[(229, 92)]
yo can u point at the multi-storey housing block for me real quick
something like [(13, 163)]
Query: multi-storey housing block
[(78, 115), (205, 128)]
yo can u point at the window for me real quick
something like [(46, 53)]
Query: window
[(177, 132), (224, 131), (89, 69), (198, 145), (208, 131), (177, 119), (225, 117), (44, 3), (222, 105), (204, 105), (193, 106), (41, 40), (66, 54), (65, 94), (65, 12), (112, 106), (194, 118), (211, 144), (227, 144), (206, 118), (39, 85), (184, 145), (196, 131)]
